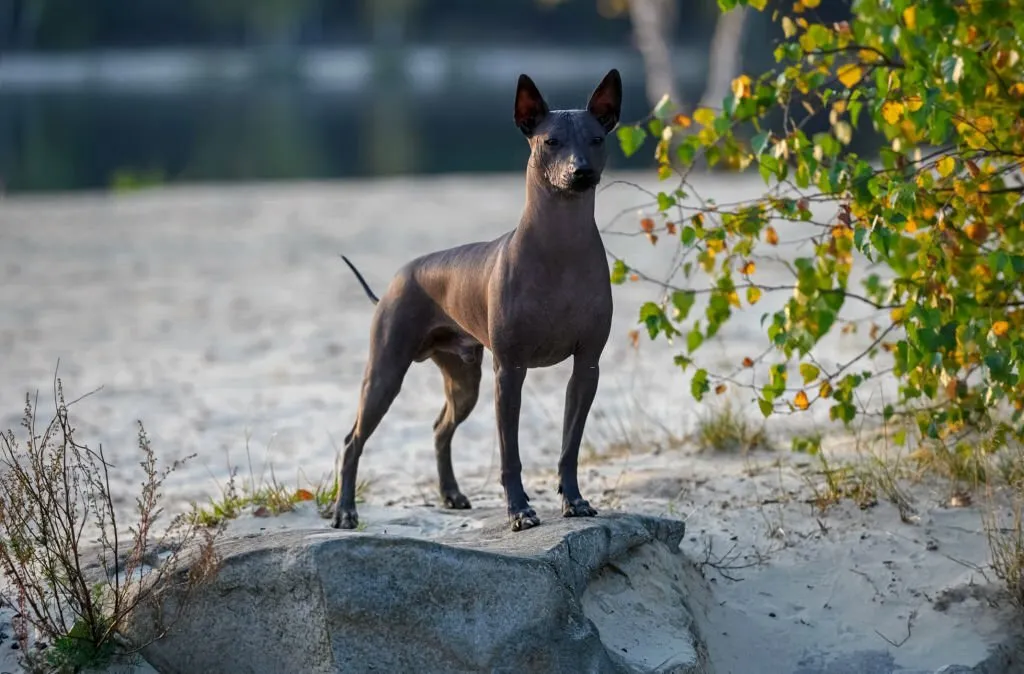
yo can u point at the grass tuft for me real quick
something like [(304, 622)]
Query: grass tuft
[(724, 429), (268, 497)]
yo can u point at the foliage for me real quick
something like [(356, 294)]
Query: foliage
[(75, 590), (937, 218)]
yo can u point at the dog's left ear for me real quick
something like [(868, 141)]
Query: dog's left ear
[(606, 101)]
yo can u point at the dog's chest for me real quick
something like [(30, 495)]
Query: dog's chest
[(550, 315)]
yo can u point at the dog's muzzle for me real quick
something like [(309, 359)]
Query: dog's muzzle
[(583, 180)]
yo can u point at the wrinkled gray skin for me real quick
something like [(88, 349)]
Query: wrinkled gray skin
[(535, 296)]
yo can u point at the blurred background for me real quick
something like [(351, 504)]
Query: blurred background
[(101, 94)]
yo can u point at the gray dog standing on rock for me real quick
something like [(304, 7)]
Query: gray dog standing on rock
[(534, 296)]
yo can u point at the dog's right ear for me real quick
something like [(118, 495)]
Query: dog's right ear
[(530, 106)]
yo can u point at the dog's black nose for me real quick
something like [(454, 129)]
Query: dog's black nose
[(583, 172)]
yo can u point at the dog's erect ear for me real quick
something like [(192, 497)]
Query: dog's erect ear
[(530, 106), (606, 101)]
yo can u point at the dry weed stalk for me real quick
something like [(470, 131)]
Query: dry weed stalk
[(58, 523)]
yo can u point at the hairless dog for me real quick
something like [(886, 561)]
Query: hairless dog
[(535, 296)]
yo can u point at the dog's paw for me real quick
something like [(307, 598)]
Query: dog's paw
[(523, 519), (578, 508), (456, 500), (345, 519)]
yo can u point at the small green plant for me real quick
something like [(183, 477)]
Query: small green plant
[(269, 498), (723, 429), (55, 500), (840, 481)]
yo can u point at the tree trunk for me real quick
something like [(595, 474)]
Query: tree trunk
[(725, 57), (651, 21)]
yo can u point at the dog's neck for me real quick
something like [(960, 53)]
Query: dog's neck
[(554, 218)]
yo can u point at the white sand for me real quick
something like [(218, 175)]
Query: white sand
[(218, 314)]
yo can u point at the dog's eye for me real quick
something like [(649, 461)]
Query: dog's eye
[(596, 140), (551, 142)]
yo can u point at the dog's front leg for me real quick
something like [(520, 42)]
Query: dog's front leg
[(508, 394), (579, 396)]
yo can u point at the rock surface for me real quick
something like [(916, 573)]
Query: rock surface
[(573, 595)]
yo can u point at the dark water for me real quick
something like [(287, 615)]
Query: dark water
[(97, 140)]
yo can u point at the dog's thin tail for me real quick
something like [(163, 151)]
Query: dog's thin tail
[(362, 281)]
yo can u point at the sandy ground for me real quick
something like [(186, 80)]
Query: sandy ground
[(222, 317)]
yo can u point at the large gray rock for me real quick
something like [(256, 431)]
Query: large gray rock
[(482, 600)]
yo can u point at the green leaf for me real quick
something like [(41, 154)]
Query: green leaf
[(809, 372), (631, 138), (765, 406), (694, 340), (683, 301), (760, 142), (665, 201), (619, 272), (699, 384), (688, 235), (652, 316)]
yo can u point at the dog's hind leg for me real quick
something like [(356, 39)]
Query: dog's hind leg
[(461, 390), (381, 384)]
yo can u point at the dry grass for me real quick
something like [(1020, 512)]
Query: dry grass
[(1006, 543), (724, 429), (58, 524), (975, 461), (629, 430)]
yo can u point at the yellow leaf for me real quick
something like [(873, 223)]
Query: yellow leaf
[(811, 4), (771, 236), (843, 132), (984, 124), (914, 103), (911, 226), (683, 121), (892, 111), (304, 495), (753, 294), (788, 27), (704, 116), (850, 74), (825, 390), (1017, 89), (801, 401), (910, 17), (946, 166), (748, 268), (896, 314), (734, 299), (1000, 328), (741, 86)]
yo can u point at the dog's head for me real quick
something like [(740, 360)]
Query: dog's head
[(568, 146)]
